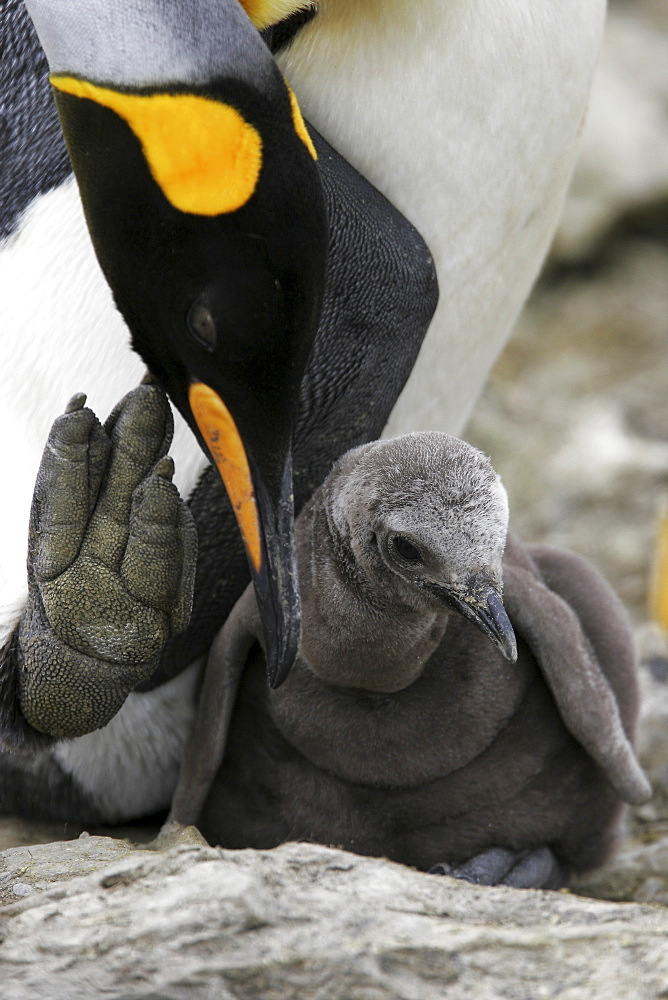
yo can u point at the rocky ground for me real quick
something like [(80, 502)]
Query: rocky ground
[(576, 420), (305, 922)]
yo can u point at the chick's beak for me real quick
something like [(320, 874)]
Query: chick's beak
[(492, 619), (483, 607), (266, 521)]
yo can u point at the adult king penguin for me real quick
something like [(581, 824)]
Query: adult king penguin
[(464, 115)]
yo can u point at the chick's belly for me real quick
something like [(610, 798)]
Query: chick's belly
[(531, 786)]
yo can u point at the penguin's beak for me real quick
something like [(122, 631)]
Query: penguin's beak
[(481, 604), (261, 496)]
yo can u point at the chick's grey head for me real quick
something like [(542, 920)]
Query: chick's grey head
[(425, 517)]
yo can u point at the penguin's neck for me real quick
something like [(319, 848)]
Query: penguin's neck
[(355, 634)]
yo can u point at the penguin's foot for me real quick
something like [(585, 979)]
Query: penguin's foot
[(111, 563), (533, 869)]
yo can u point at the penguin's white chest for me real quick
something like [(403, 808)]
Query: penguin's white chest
[(466, 114)]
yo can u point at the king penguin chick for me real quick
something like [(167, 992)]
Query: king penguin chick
[(419, 724)]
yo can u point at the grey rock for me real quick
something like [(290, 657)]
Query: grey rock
[(653, 745), (313, 923), (40, 867), (640, 873)]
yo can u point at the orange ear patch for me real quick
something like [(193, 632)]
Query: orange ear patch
[(299, 124), (223, 441), (263, 13), (204, 157)]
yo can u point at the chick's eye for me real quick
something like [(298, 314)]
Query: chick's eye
[(202, 325), (406, 549)]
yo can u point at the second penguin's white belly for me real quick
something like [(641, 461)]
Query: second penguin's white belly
[(466, 114)]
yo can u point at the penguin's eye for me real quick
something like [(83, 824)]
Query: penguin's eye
[(202, 325), (406, 549)]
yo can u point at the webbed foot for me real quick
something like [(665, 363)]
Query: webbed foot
[(111, 562), (537, 868)]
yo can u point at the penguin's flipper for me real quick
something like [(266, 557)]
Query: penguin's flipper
[(111, 562), (206, 747), (538, 868), (563, 616)]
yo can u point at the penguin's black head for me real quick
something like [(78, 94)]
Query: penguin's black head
[(208, 219)]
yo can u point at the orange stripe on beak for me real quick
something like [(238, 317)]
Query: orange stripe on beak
[(224, 442)]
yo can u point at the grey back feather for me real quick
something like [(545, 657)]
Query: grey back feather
[(584, 697)]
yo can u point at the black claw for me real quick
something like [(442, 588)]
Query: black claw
[(77, 402), (164, 467)]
